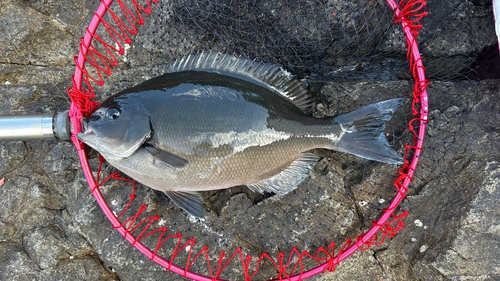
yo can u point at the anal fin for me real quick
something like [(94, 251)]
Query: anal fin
[(188, 201), (289, 178)]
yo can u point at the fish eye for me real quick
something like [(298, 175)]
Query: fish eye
[(112, 113)]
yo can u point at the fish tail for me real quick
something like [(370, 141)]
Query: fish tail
[(363, 132)]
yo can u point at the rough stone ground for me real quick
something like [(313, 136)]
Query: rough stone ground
[(51, 228)]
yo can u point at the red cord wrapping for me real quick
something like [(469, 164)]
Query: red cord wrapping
[(410, 13), (101, 62)]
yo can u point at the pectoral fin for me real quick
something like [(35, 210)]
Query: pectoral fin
[(289, 178), (165, 159), (189, 201)]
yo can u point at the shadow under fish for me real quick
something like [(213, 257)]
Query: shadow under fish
[(214, 121)]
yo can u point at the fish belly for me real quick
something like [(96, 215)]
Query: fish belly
[(218, 168)]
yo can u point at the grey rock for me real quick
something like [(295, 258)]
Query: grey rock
[(363, 266), (44, 246), (13, 154), (32, 38), (16, 264), (51, 227), (459, 32), (474, 251), (85, 267)]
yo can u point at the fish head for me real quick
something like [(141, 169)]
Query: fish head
[(116, 129)]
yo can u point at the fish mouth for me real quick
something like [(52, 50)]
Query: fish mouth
[(87, 132), (86, 126)]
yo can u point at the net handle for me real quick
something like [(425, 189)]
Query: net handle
[(76, 115)]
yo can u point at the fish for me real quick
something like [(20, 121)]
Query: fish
[(214, 121)]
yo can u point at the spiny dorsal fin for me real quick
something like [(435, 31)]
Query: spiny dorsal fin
[(290, 178), (267, 75)]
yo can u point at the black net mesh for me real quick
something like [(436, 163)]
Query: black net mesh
[(327, 39)]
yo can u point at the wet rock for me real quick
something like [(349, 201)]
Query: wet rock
[(13, 154), (44, 246), (444, 195), (16, 263), (32, 38), (363, 266), (474, 250), (457, 33), (79, 268)]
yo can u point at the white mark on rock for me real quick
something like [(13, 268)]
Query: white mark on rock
[(418, 223), (125, 48), (423, 248), (381, 200), (494, 229), (161, 222), (324, 197), (206, 228), (363, 203), (222, 242), (413, 239)]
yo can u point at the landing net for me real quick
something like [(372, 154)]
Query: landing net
[(349, 53)]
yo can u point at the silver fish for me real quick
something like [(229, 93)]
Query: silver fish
[(214, 121)]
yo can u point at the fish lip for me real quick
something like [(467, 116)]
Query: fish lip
[(85, 136), (86, 126), (86, 130)]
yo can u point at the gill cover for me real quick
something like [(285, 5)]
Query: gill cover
[(117, 129)]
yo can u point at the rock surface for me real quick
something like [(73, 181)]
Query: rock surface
[(51, 227)]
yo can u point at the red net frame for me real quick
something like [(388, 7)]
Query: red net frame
[(406, 13)]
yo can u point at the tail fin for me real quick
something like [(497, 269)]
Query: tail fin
[(364, 132)]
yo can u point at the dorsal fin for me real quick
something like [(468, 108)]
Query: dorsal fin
[(267, 75)]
